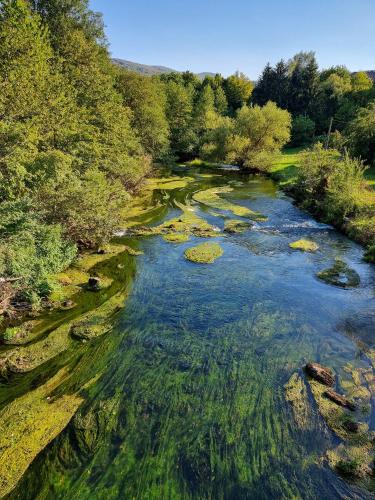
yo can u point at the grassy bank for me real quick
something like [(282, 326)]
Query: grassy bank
[(361, 226)]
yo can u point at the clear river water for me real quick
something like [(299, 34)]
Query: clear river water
[(189, 400)]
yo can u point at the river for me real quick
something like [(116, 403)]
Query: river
[(189, 399)]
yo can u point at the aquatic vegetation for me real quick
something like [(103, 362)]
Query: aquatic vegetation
[(28, 425), (296, 394), (236, 226), (205, 253), (187, 223), (211, 197), (304, 245), (340, 274), (176, 237)]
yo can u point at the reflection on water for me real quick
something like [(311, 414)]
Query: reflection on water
[(190, 403)]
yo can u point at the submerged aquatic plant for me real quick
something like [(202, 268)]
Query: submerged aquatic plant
[(205, 253), (176, 237), (304, 245), (340, 274)]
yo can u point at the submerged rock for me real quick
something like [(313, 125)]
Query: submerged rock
[(340, 274), (236, 226), (351, 426), (339, 399), (94, 284), (320, 373)]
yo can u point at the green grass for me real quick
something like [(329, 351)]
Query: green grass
[(284, 170)]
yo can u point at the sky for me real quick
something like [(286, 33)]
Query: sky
[(228, 35)]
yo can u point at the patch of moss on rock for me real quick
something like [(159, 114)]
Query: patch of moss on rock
[(236, 226), (28, 425), (304, 245), (341, 275), (296, 395), (205, 253), (211, 198), (176, 237)]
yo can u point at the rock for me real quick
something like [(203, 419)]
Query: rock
[(68, 304), (339, 400), (101, 251), (320, 373), (94, 284), (351, 426)]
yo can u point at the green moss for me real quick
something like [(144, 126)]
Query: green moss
[(176, 238), (187, 223), (205, 253), (304, 245), (341, 275), (296, 395), (236, 226), (21, 334), (211, 198), (28, 425)]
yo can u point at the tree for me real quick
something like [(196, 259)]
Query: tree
[(260, 132), (238, 89), (361, 134), (304, 81), (179, 109), (303, 129), (146, 98)]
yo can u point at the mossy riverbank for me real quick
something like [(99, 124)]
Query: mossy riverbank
[(360, 228)]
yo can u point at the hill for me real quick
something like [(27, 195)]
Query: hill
[(148, 70)]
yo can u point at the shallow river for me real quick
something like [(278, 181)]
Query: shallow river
[(191, 400)]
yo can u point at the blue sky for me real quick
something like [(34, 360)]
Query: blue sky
[(228, 35)]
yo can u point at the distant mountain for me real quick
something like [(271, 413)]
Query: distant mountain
[(147, 70), (144, 69)]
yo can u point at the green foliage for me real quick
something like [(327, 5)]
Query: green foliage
[(146, 98), (30, 250), (260, 133), (303, 129), (329, 184), (362, 134), (238, 90)]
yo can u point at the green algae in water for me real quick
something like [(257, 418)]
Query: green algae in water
[(176, 237), (341, 275), (189, 399), (304, 245), (236, 226), (205, 253), (211, 197)]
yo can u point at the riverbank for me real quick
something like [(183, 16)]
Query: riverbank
[(360, 228)]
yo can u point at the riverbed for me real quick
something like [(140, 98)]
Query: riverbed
[(187, 395)]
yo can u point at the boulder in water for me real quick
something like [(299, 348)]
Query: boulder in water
[(320, 373), (339, 399)]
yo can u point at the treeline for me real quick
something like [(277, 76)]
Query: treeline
[(322, 100)]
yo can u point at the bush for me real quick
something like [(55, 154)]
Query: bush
[(329, 184), (303, 130), (30, 250)]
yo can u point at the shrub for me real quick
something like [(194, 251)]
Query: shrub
[(303, 130)]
